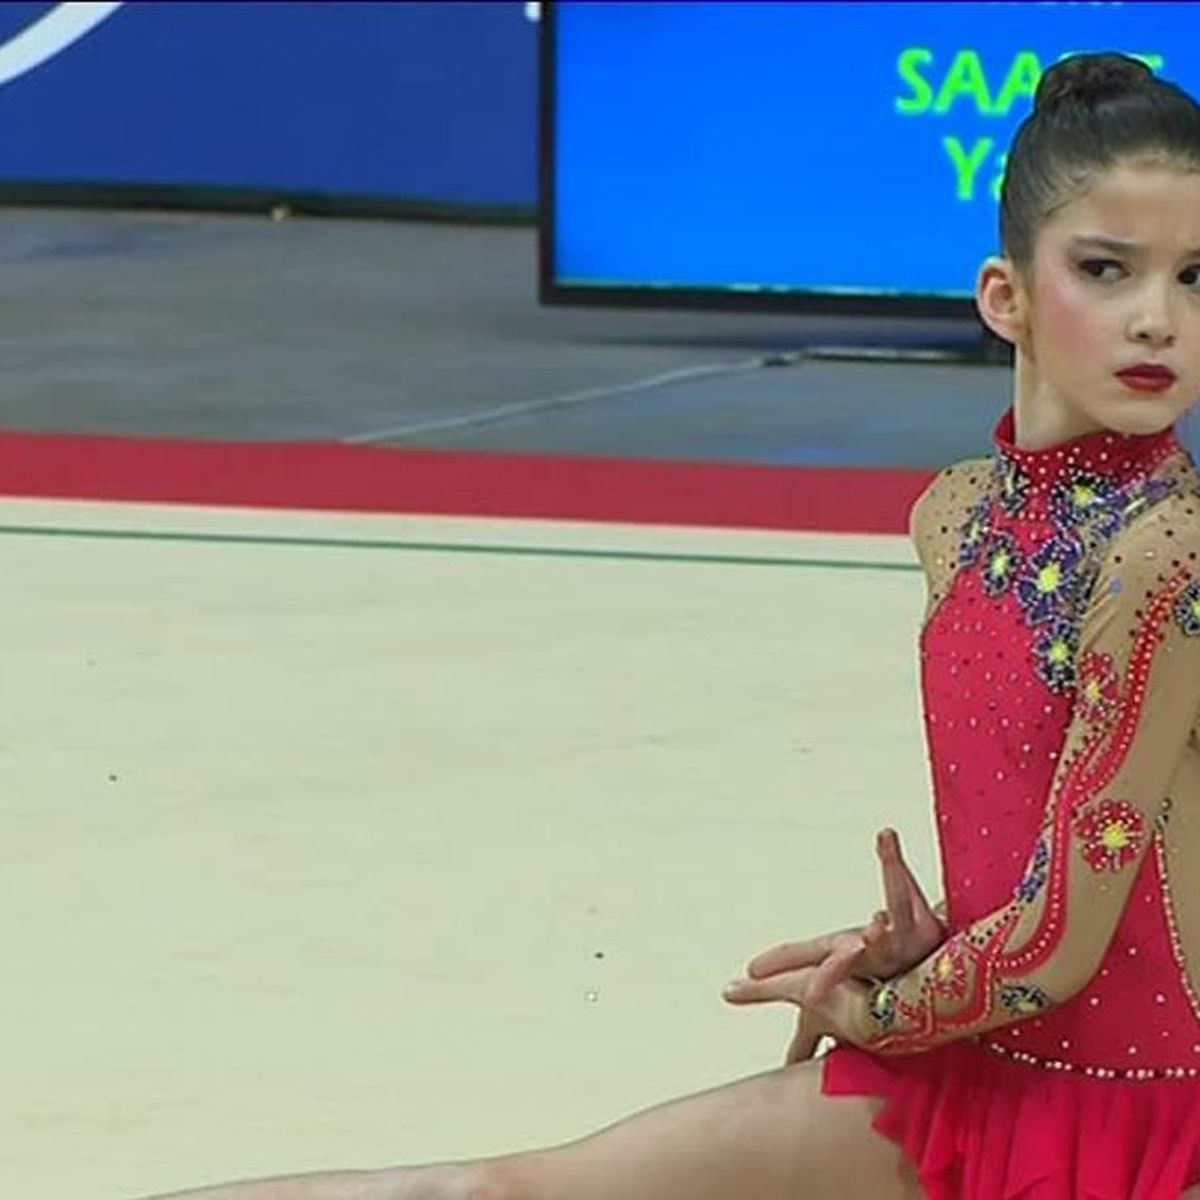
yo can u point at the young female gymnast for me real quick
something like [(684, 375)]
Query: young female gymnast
[(1044, 1043)]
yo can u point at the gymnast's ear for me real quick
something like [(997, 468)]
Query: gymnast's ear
[(1002, 300)]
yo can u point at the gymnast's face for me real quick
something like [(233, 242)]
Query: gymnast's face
[(1091, 309)]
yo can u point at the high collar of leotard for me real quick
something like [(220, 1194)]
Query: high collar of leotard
[(1117, 458)]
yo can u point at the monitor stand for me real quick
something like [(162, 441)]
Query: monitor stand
[(985, 349)]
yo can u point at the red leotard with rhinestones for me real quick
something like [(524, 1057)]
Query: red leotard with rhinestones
[(1050, 1048)]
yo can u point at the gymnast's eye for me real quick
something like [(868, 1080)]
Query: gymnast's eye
[(1089, 263)]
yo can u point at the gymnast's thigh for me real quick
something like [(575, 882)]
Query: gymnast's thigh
[(773, 1136)]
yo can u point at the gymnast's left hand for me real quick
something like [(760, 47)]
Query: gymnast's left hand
[(842, 1012)]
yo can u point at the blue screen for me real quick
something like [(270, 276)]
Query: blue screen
[(828, 148)]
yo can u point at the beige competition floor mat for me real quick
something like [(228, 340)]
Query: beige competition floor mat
[(342, 841)]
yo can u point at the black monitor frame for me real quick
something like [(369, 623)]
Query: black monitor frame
[(551, 292)]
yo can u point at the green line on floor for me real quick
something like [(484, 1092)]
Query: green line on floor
[(235, 539)]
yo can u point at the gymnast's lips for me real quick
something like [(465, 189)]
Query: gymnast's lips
[(1155, 372)]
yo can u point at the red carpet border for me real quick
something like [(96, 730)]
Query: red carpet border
[(320, 476)]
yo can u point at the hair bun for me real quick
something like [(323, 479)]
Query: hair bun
[(1089, 78)]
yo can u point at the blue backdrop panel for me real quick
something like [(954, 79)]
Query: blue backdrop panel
[(432, 101), (820, 147)]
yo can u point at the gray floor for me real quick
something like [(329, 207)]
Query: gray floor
[(431, 335), (322, 852)]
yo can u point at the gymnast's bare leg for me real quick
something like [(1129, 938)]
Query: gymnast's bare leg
[(772, 1136)]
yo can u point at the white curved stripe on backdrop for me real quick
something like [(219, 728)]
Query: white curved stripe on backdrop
[(62, 26)]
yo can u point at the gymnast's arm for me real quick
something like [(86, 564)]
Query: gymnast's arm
[(1136, 702)]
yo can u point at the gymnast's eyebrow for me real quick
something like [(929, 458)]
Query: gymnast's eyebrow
[(1118, 246)]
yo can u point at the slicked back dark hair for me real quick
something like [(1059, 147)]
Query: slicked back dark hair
[(1090, 112)]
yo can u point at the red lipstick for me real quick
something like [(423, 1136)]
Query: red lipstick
[(1147, 377)]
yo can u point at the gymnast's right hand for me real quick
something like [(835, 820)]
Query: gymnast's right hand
[(903, 934), (895, 939)]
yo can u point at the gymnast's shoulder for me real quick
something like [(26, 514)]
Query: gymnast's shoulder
[(943, 505)]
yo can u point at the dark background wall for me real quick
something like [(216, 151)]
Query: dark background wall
[(423, 102)]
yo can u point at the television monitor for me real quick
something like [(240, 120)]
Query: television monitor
[(827, 157)]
